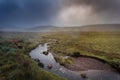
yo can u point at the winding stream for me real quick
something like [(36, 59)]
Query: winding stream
[(37, 53)]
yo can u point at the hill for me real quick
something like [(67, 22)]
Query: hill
[(95, 27)]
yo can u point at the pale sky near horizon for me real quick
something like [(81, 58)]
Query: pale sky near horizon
[(20, 14)]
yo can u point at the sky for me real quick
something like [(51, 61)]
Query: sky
[(22, 14)]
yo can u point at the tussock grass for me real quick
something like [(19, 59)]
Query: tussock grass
[(102, 45), (15, 63)]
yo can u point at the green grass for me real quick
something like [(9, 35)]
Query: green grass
[(102, 45), (15, 63), (64, 61)]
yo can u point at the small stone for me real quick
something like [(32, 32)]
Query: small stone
[(49, 66), (41, 65), (45, 52)]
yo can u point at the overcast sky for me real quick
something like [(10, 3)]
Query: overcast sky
[(22, 14)]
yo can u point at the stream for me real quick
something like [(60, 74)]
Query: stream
[(59, 70)]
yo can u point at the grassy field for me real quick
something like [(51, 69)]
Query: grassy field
[(15, 63), (101, 45)]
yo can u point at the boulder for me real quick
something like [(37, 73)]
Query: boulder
[(45, 52), (37, 60), (41, 65), (49, 66)]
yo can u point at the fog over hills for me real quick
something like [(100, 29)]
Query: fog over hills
[(95, 27)]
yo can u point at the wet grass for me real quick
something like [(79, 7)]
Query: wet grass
[(101, 45), (15, 63)]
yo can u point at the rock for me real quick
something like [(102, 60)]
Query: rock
[(83, 75), (45, 52), (41, 65), (49, 66), (37, 60)]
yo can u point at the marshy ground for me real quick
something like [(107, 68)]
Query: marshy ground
[(15, 48), (86, 63), (101, 45)]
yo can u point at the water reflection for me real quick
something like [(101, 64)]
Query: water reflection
[(48, 63)]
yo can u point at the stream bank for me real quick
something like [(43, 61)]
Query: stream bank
[(91, 72)]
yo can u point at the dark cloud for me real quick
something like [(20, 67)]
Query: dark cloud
[(27, 12)]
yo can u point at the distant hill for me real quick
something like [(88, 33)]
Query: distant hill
[(96, 27), (101, 27), (40, 28)]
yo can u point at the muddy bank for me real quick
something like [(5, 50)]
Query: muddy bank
[(87, 63), (91, 68)]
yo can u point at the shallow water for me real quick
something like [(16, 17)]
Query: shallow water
[(37, 53)]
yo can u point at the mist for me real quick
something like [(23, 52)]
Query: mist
[(86, 12)]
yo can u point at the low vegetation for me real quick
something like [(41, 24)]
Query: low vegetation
[(15, 63), (101, 45), (65, 60)]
